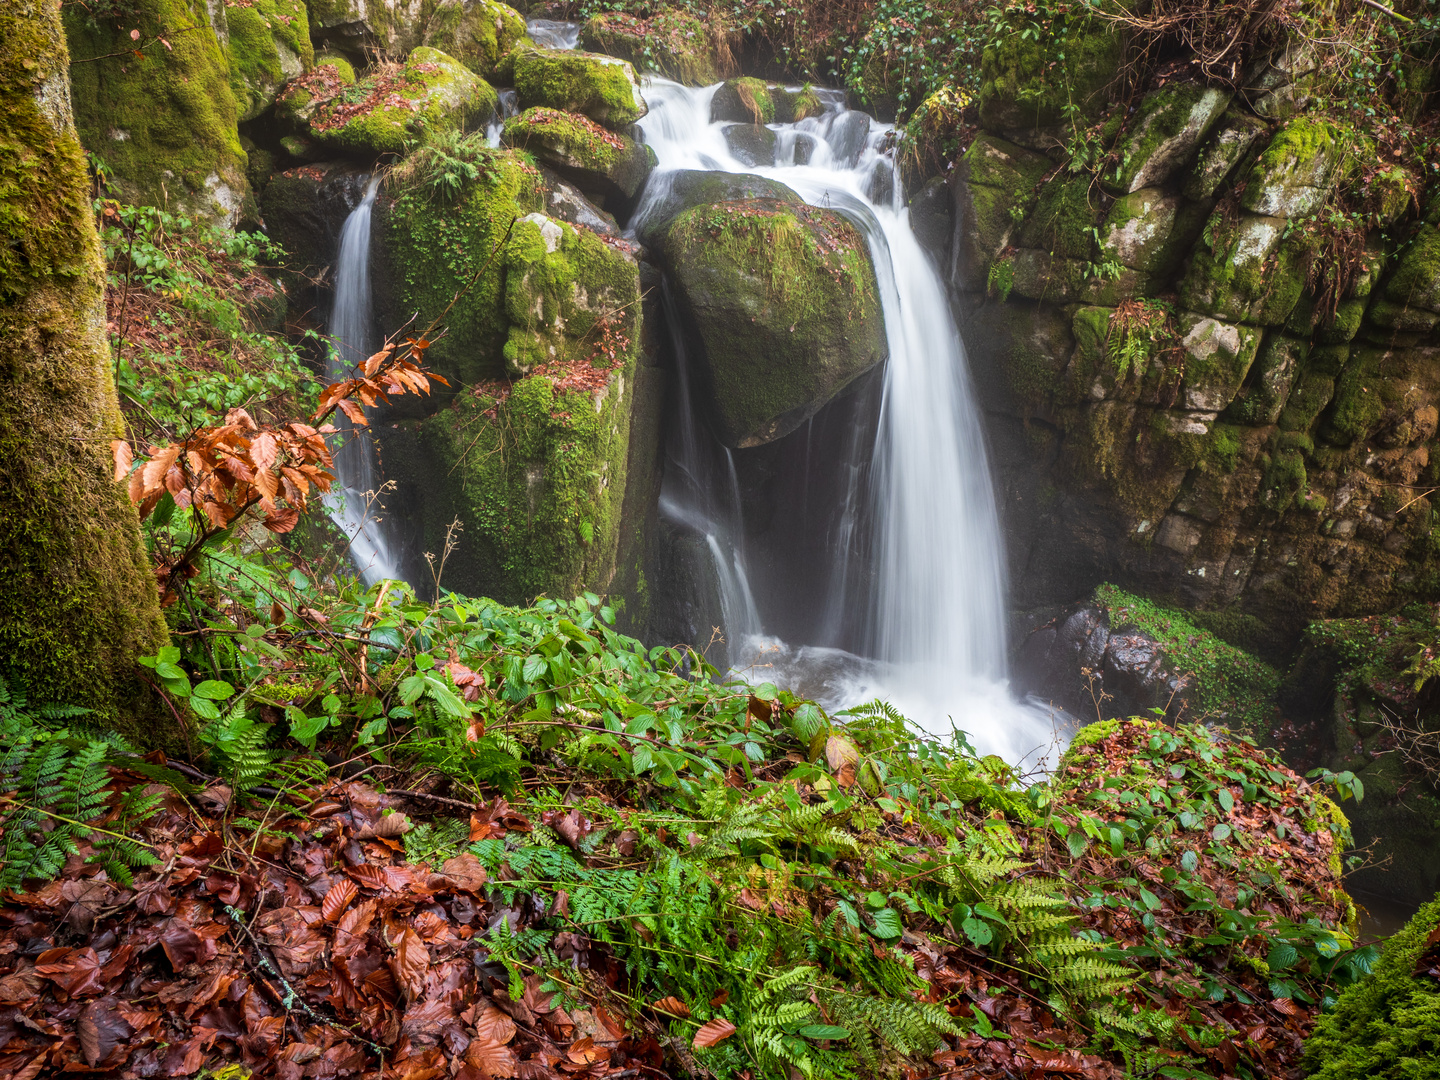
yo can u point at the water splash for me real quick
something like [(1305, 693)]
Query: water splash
[(351, 503), (553, 34), (934, 603)]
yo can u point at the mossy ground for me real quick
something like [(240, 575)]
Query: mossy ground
[(1226, 682)]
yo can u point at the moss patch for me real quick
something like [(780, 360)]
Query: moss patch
[(269, 43), (165, 124), (591, 156), (602, 87), (1026, 83), (1225, 681), (673, 43), (478, 33)]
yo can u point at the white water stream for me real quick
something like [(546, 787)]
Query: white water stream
[(352, 503), (936, 623)]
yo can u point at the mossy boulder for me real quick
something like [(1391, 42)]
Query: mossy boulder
[(1166, 134), (1150, 231), (597, 160), (993, 178), (570, 298), (671, 194), (535, 471), (601, 87), (1220, 158), (1217, 357), (1261, 400), (413, 225), (673, 43), (1027, 83), (478, 33), (784, 308), (753, 145), (1063, 218), (1415, 282), (1246, 272), (1387, 1026), (932, 219), (382, 112), (1294, 173), (164, 122), (747, 100), (268, 43), (1019, 353)]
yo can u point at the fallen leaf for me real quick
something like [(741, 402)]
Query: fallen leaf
[(410, 963), (716, 1031), (338, 898), (673, 1006)]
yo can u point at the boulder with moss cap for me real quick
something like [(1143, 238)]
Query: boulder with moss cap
[(673, 43), (595, 159), (478, 33), (783, 308), (268, 42), (380, 113), (601, 87)]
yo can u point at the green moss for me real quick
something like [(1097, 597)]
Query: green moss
[(784, 300), (1357, 404), (1387, 1026), (1302, 154), (1063, 220), (674, 43), (1225, 447), (78, 601), (746, 101), (478, 33), (1285, 482), (601, 87), (1247, 273), (1226, 682), (1027, 82), (164, 124), (1163, 115), (1089, 735), (575, 137), (269, 42), (537, 477), (383, 112), (340, 64), (438, 245), (1416, 280)]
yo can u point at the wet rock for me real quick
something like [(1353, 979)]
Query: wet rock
[(1141, 231), (670, 194), (782, 306), (565, 202), (993, 177), (1219, 159), (932, 219), (1171, 125), (601, 87), (606, 163), (1294, 174), (847, 135), (304, 210), (752, 144)]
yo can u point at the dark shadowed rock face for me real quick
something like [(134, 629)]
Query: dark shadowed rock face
[(1078, 662)]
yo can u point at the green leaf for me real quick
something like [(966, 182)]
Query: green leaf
[(1227, 801), (1220, 832), (206, 710), (1189, 862), (887, 924), (1077, 842), (822, 1031), (1282, 955), (978, 931), (411, 687), (214, 690), (534, 667)]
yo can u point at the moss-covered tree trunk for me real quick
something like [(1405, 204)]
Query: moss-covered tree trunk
[(77, 599)]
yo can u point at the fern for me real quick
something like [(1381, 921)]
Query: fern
[(55, 786)]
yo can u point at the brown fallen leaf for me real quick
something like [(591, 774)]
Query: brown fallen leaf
[(716, 1031), (338, 898), (493, 1026), (410, 963), (673, 1006)]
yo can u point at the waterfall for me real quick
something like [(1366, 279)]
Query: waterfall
[(934, 599), (352, 502), (553, 34)]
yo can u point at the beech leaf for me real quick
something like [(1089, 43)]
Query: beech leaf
[(716, 1031)]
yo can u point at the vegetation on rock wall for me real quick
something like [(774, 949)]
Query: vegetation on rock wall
[(77, 599)]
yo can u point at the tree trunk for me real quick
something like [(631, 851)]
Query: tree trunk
[(77, 598)]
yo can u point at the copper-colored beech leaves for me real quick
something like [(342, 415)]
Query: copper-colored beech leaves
[(715, 1031), (220, 473)]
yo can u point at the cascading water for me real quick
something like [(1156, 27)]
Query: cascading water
[(553, 34), (351, 502), (934, 600)]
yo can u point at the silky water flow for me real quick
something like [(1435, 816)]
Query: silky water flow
[(933, 598)]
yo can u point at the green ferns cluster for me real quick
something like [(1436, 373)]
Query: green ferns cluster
[(54, 785)]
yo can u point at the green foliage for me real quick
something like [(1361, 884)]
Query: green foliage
[(1224, 680), (55, 786), (1386, 1027)]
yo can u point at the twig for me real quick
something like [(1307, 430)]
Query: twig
[(435, 798)]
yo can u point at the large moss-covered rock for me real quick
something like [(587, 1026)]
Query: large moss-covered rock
[(1221, 157), (164, 122), (1294, 173), (670, 194), (1171, 124), (1217, 357), (268, 41), (1415, 282), (1387, 1026), (478, 33), (1027, 82), (570, 298), (1248, 272), (747, 100), (784, 307), (993, 178), (673, 43), (381, 113), (597, 160), (78, 603), (602, 87)]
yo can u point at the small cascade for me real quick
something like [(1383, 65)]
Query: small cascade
[(927, 610), (553, 34), (702, 493), (352, 502), (509, 106)]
